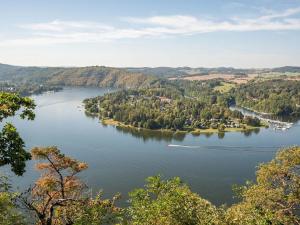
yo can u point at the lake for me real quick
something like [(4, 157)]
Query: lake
[(120, 159)]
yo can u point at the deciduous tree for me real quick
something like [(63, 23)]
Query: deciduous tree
[(57, 189), (275, 197), (12, 148), (170, 202)]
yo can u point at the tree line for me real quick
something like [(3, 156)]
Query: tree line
[(27, 89), (277, 96)]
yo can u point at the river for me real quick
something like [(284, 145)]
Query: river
[(120, 159)]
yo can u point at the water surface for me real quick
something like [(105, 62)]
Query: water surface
[(120, 159)]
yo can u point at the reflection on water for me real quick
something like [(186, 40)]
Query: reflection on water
[(256, 149), (152, 134), (221, 135), (248, 133), (168, 136)]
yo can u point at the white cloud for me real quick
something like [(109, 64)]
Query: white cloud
[(171, 21), (59, 32), (286, 13)]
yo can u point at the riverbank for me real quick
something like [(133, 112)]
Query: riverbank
[(245, 128), (255, 111), (211, 130), (264, 118)]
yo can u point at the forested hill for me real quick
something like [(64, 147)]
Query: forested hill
[(116, 77), (101, 77), (184, 71), (75, 76)]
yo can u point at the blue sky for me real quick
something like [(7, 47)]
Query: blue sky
[(212, 33)]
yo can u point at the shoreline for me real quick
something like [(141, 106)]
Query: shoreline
[(276, 123), (197, 131), (255, 111)]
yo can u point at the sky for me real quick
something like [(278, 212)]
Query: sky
[(140, 33)]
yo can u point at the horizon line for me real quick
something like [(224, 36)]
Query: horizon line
[(139, 67)]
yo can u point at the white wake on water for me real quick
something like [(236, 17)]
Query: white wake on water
[(229, 148), (183, 146)]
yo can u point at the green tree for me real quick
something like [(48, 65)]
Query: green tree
[(12, 149), (170, 202), (96, 211), (221, 127), (9, 214), (275, 197), (252, 121)]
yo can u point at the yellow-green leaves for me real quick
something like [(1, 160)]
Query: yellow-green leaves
[(170, 202), (275, 198), (10, 103)]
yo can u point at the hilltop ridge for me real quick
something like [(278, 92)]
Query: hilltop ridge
[(102, 76)]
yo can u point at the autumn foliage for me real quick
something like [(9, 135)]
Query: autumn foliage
[(57, 187)]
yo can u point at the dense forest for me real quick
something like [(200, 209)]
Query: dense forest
[(189, 105), (97, 76), (277, 97), (171, 107)]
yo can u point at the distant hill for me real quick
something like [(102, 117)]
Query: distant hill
[(287, 69), (186, 71), (162, 71), (102, 76), (20, 73), (75, 76)]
